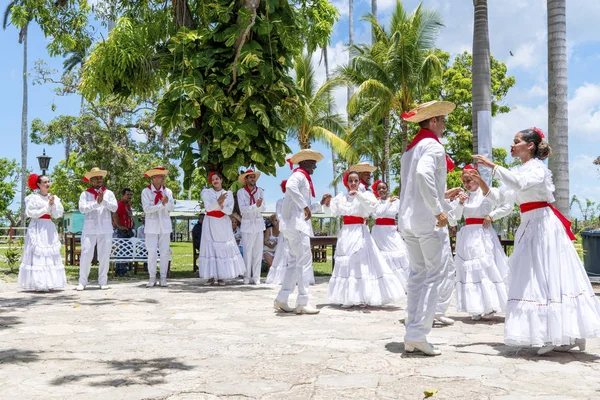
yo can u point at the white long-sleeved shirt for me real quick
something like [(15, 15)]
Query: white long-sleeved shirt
[(496, 204), (37, 205), (252, 220), (158, 220), (98, 219), (360, 205), (210, 197), (531, 181), (423, 177), (297, 197)]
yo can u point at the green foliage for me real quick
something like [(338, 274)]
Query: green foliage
[(9, 174), (12, 255)]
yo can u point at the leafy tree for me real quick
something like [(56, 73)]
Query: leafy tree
[(9, 176)]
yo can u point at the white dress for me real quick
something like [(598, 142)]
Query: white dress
[(220, 256), (389, 241), (481, 264), (550, 298), (42, 265), (361, 275)]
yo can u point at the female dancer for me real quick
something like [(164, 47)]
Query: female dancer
[(361, 275), (220, 256), (42, 267), (550, 299), (385, 232), (481, 265)]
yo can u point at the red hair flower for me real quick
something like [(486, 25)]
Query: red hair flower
[(469, 166), (374, 187), (345, 179), (283, 185), (211, 175), (539, 132), (32, 181)]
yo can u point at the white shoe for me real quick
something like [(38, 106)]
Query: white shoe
[(347, 305), (279, 306), (151, 283), (424, 347), (163, 282), (221, 282), (545, 349), (442, 319), (80, 288), (104, 287), (257, 282), (209, 282), (475, 317), (489, 316), (307, 310), (246, 281), (566, 347)]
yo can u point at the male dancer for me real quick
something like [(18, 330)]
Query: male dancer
[(250, 202), (364, 170)]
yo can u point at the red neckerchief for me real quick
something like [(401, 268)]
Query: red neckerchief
[(365, 184), (251, 193), (94, 192), (427, 134), (158, 193), (307, 176)]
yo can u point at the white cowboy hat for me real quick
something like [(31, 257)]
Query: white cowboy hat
[(303, 155), (429, 110), (156, 171), (242, 177), (363, 167), (93, 173)]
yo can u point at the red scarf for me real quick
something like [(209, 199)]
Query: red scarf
[(159, 195), (427, 134), (307, 176), (251, 194), (94, 192)]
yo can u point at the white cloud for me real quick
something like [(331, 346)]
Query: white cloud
[(584, 112), (505, 126), (581, 164)]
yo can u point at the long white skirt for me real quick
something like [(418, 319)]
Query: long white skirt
[(361, 274), (392, 247), (220, 256), (481, 271), (550, 298), (280, 263), (42, 265)]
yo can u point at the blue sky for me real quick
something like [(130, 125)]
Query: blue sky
[(517, 25)]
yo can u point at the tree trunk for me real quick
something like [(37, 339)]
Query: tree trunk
[(332, 221), (350, 42), (404, 126), (481, 91), (374, 12), (558, 129), (24, 135), (386, 150)]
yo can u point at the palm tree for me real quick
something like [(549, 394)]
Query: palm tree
[(75, 58), (558, 126), (392, 73), (482, 82), (24, 135), (374, 13), (311, 120), (350, 39)]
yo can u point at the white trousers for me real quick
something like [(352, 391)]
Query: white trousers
[(425, 251), (449, 274), (298, 268), (253, 250), (160, 242), (104, 244)]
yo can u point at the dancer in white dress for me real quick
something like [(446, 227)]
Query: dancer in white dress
[(551, 302), (42, 267), (361, 275), (385, 232), (481, 265), (220, 257)]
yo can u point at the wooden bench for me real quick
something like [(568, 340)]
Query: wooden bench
[(132, 250)]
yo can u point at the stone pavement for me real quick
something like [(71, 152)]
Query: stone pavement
[(194, 342)]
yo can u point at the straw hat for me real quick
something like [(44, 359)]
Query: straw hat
[(429, 110), (242, 177), (155, 171), (363, 167), (303, 155), (93, 173)]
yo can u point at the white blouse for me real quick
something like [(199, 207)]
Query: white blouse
[(361, 205), (531, 181), (386, 209), (37, 205), (497, 204)]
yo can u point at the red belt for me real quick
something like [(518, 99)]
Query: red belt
[(474, 221), (385, 221), (353, 220), (45, 216), (216, 214), (534, 205)]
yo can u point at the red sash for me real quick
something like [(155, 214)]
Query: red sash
[(94, 192), (385, 221), (534, 205), (427, 134), (251, 194), (216, 214), (158, 193), (353, 220), (474, 221), (45, 216), (307, 176)]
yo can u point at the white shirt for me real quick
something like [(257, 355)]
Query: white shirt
[(531, 181), (37, 205), (141, 234), (252, 220), (386, 209), (210, 197), (158, 220), (297, 197), (496, 204), (98, 219), (423, 178), (360, 205)]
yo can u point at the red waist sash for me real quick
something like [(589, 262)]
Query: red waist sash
[(216, 214), (385, 221), (474, 221), (353, 220), (45, 216), (534, 205)]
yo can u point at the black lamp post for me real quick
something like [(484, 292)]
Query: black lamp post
[(44, 162)]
